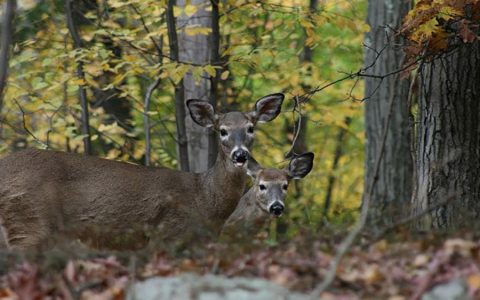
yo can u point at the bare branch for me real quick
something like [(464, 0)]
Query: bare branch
[(26, 128)]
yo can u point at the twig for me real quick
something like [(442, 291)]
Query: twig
[(26, 128), (297, 126), (360, 224), (147, 30)]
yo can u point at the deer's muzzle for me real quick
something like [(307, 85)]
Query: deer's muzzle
[(276, 208), (240, 157)]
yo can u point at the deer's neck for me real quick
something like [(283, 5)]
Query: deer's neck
[(225, 185)]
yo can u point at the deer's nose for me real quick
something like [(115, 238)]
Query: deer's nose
[(276, 209), (240, 156)]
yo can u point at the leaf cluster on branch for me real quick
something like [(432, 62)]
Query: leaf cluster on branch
[(433, 27)]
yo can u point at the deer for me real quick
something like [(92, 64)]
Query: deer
[(266, 197), (100, 202)]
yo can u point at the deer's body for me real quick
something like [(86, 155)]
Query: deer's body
[(60, 193), (44, 193)]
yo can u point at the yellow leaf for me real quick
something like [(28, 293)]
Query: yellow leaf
[(194, 30), (177, 11), (190, 10), (448, 13), (78, 81), (425, 30), (224, 75), (93, 69), (210, 70)]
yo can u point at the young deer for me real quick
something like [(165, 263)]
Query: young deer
[(266, 196), (98, 201)]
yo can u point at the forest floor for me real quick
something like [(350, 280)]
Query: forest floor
[(402, 267)]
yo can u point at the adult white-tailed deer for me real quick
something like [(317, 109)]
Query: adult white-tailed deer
[(266, 196), (47, 193)]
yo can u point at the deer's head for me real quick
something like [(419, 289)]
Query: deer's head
[(271, 185), (236, 129)]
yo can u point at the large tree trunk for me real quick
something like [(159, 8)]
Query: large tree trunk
[(448, 157), (198, 49), (392, 193)]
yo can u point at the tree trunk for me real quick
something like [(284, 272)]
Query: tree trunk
[(82, 93), (180, 114), (392, 193), (448, 157), (198, 49), (5, 42)]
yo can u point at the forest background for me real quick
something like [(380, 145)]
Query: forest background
[(125, 48), (383, 92)]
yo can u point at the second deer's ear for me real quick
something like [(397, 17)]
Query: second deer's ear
[(267, 108), (253, 167), (300, 166), (202, 112)]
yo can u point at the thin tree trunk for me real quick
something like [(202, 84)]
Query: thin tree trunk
[(336, 159), (392, 193), (197, 49), (214, 59), (447, 158), (82, 94), (180, 109), (6, 39)]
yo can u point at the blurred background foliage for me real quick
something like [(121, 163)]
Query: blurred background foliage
[(261, 46)]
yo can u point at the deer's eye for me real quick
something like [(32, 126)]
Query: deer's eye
[(263, 187), (285, 186), (250, 129), (223, 132)]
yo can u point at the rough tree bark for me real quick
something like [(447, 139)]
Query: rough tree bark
[(199, 49), (9, 8), (392, 193), (448, 157)]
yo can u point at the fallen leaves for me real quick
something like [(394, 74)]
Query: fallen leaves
[(383, 270)]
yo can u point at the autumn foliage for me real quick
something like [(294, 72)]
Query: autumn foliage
[(438, 26)]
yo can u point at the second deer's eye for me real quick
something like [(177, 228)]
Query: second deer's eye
[(263, 187), (250, 129), (223, 132), (285, 187)]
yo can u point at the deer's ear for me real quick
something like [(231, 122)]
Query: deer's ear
[(300, 166), (202, 112), (267, 108), (253, 167)]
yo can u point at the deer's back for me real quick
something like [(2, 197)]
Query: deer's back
[(68, 191)]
